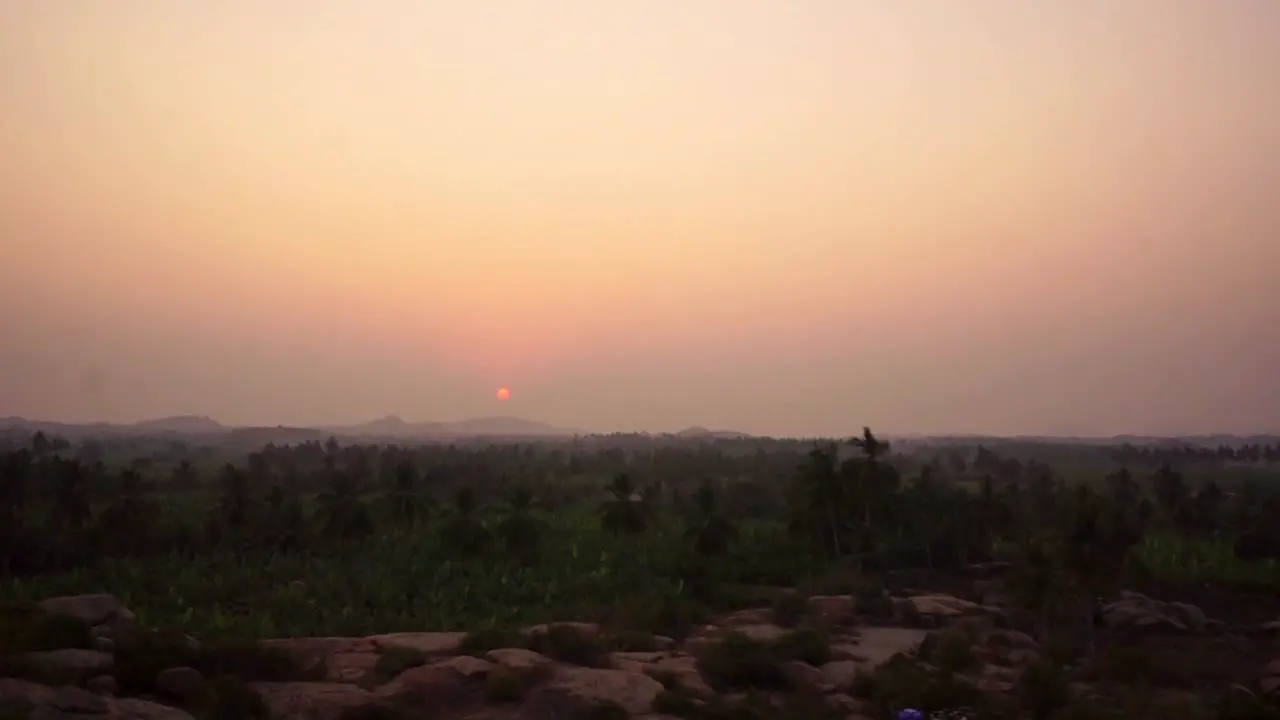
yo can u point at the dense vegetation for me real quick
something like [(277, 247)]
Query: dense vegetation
[(330, 539)]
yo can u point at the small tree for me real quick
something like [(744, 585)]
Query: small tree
[(624, 512)]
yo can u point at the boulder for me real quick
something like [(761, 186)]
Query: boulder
[(95, 609), (315, 700), (578, 689)]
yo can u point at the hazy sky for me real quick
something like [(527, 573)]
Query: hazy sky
[(785, 217)]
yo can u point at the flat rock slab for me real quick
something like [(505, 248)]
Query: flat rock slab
[(431, 644), (93, 609), (575, 689), (320, 701), (875, 645)]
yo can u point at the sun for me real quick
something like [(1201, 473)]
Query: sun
[(503, 393)]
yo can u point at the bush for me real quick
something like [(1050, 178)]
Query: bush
[(1043, 688), (810, 646), (141, 655), (903, 682), (395, 660), (568, 644), (669, 680), (789, 609), (504, 686), (632, 641), (672, 702), (954, 652), (479, 642), (874, 605), (27, 628), (737, 662), (234, 700)]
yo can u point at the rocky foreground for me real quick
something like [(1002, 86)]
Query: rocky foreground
[(829, 657)]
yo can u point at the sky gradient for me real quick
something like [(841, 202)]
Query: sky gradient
[(779, 217)]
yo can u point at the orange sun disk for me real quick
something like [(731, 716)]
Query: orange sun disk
[(503, 393)]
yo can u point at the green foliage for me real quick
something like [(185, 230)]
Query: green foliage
[(789, 609), (569, 644), (141, 655), (233, 699), (394, 660), (1043, 688), (674, 702), (219, 543), (504, 685), (27, 628), (903, 682), (954, 651), (737, 662), (630, 641), (479, 642), (810, 646)]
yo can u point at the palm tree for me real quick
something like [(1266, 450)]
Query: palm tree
[(709, 532), (285, 526), (1036, 579), (874, 479), (520, 530), (71, 509), (1169, 488), (235, 499), (15, 472), (624, 512), (464, 531), (819, 501), (126, 523), (342, 514), (185, 476), (404, 501)]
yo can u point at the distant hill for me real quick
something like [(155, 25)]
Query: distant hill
[(697, 432), (181, 424), (393, 426)]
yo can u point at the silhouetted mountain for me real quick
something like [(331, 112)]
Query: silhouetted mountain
[(182, 424), (395, 427), (697, 432)]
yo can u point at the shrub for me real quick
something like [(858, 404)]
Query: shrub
[(632, 641), (568, 644), (669, 680), (395, 660), (234, 700), (789, 609), (141, 655), (479, 642), (903, 682), (504, 686), (27, 628), (874, 605), (671, 702), (810, 646), (1043, 689), (954, 652), (738, 662)]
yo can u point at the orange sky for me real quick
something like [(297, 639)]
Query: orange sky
[(796, 218)]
